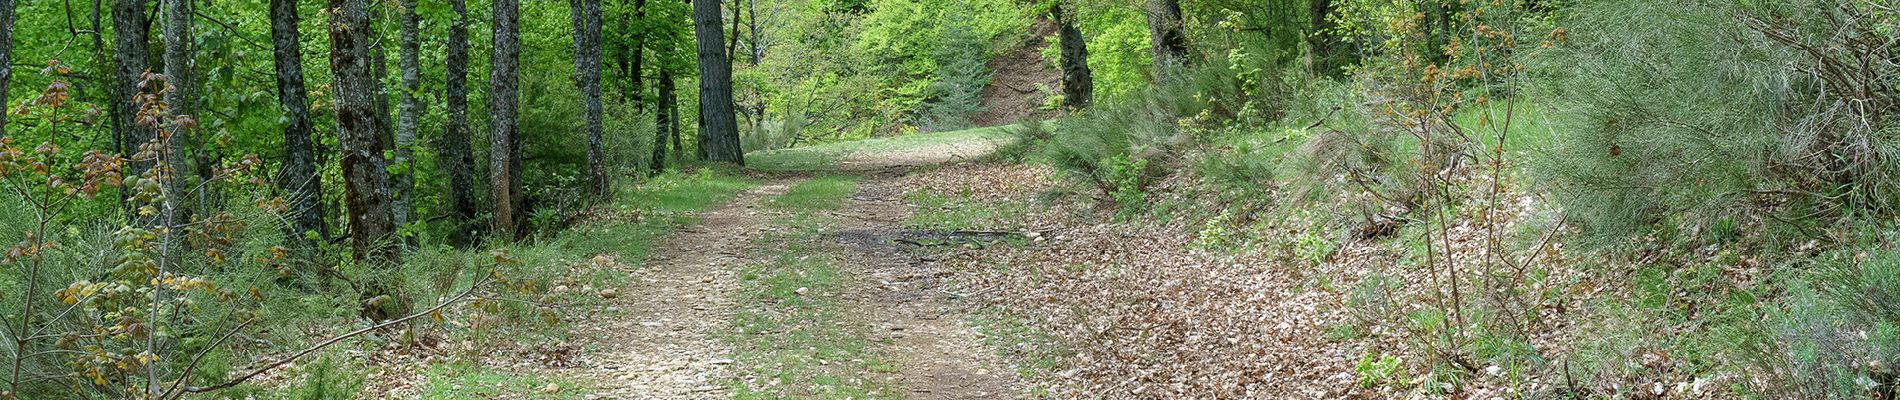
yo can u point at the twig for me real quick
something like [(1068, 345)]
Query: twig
[(326, 343)]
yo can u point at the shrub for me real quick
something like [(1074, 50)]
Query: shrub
[(1778, 109)]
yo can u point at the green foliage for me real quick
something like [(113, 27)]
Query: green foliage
[(1743, 123), (1379, 369)]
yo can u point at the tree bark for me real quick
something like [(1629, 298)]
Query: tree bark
[(504, 143), (409, 60), (633, 58), (720, 131), (303, 188), (365, 178), (1078, 82), (670, 100), (6, 59), (1167, 35), (587, 59), (457, 159), (130, 51), (662, 123)]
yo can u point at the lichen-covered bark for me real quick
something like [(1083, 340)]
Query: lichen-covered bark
[(409, 60), (303, 188), (504, 142), (587, 59), (365, 178), (456, 158), (130, 52), (1078, 83), (1167, 35), (719, 129)]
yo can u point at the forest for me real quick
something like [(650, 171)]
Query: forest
[(962, 199)]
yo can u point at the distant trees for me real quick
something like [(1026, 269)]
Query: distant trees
[(719, 131)]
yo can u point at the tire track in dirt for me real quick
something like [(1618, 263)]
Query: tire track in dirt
[(666, 343), (939, 356)]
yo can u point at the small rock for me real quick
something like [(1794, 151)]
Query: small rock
[(552, 388), (609, 293), (801, 290)]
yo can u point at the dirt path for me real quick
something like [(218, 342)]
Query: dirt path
[(939, 356), (665, 343)]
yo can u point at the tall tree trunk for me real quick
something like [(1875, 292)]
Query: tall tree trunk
[(6, 59), (457, 159), (670, 100), (303, 188), (379, 69), (720, 131), (1078, 83), (130, 51), (365, 178), (409, 60), (587, 59), (504, 144), (1167, 34), (633, 58), (662, 123)]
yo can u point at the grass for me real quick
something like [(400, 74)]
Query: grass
[(826, 156), (795, 332), (957, 212), (821, 193), (468, 380)]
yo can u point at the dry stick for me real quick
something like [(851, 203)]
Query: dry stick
[(326, 343)]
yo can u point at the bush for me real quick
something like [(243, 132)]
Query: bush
[(1778, 109)]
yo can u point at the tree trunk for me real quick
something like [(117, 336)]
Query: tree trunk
[(457, 159), (720, 131), (670, 100), (662, 123), (409, 60), (303, 188), (1167, 34), (365, 178), (632, 58), (504, 144), (379, 68), (1329, 51), (130, 52), (587, 59), (6, 59), (1078, 83)]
